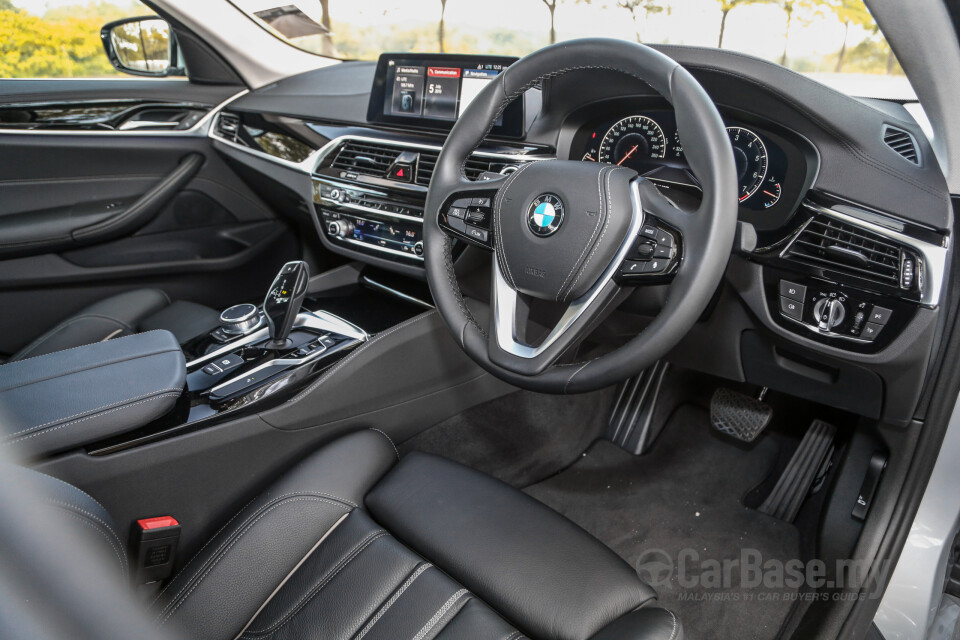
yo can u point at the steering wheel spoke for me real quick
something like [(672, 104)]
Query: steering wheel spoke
[(467, 211)]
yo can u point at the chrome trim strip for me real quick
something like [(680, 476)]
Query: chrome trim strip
[(383, 249), (200, 129), (505, 297), (311, 162), (318, 320), (360, 207), (399, 294), (934, 256)]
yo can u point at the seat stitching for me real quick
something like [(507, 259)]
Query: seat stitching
[(674, 631), (205, 545), (332, 573), (75, 488), (357, 352), (103, 413), (60, 327), (432, 622), (239, 531), (390, 602), (213, 566), (94, 364), (44, 355), (292, 572), (107, 529), (178, 390), (389, 439), (116, 551)]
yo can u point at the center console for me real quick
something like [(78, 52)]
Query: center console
[(257, 357)]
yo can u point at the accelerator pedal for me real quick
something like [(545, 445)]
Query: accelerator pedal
[(794, 485), (739, 415)]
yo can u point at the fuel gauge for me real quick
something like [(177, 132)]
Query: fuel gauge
[(590, 156), (770, 192)]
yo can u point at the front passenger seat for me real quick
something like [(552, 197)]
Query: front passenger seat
[(351, 543), (121, 315)]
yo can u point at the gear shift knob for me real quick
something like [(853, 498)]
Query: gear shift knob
[(283, 301)]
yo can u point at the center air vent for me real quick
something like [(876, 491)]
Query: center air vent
[(228, 126), (375, 159), (846, 248), (365, 158), (902, 142)]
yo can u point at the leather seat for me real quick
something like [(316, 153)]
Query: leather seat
[(351, 543), (123, 314)]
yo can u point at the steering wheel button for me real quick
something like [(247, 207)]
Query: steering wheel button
[(483, 203), (665, 238), (655, 266), (477, 234), (645, 251), (791, 308), (649, 231), (661, 251), (457, 224), (462, 203), (631, 267), (457, 212)]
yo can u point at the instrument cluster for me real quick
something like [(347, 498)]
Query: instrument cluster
[(772, 169)]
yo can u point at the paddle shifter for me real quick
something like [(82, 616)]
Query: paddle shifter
[(283, 301)]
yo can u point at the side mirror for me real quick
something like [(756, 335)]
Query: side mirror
[(142, 46)]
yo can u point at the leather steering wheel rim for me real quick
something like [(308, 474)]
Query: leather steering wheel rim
[(708, 232)]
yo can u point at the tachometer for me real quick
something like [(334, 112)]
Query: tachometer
[(633, 142), (750, 155)]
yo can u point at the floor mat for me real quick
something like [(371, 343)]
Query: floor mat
[(685, 497)]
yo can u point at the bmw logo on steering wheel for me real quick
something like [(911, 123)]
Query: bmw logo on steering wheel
[(545, 214)]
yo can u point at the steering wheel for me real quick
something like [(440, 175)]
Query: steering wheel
[(579, 235)]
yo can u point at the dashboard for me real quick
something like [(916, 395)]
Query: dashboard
[(845, 220)]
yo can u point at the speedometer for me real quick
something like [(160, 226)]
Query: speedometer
[(633, 142), (750, 155)]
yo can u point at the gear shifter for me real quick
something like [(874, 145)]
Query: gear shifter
[(283, 301)]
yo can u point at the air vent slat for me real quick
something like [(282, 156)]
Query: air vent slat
[(901, 142), (228, 126), (846, 248), (368, 159)]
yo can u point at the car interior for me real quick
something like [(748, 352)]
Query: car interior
[(350, 355)]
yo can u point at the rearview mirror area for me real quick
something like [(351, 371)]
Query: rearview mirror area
[(143, 46)]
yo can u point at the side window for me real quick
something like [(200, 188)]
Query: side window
[(60, 38)]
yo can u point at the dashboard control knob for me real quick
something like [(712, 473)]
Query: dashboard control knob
[(335, 194), (339, 228), (829, 312), (418, 249), (239, 319)]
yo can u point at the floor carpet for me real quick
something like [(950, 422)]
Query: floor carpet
[(686, 494)]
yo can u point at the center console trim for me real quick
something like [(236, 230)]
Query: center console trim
[(318, 320)]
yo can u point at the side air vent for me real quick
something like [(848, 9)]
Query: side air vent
[(228, 126), (902, 142), (846, 248)]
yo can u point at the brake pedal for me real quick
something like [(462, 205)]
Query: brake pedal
[(808, 460), (738, 415)]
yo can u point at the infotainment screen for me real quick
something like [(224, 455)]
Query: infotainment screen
[(432, 91)]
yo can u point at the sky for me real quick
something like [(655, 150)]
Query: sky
[(755, 29)]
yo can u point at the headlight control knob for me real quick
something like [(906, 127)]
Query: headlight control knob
[(829, 312)]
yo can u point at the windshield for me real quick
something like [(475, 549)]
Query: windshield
[(836, 41)]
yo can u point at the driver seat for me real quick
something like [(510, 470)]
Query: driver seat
[(355, 542)]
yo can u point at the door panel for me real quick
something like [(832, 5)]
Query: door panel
[(204, 236)]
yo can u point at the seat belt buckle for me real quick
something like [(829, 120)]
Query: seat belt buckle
[(155, 548)]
